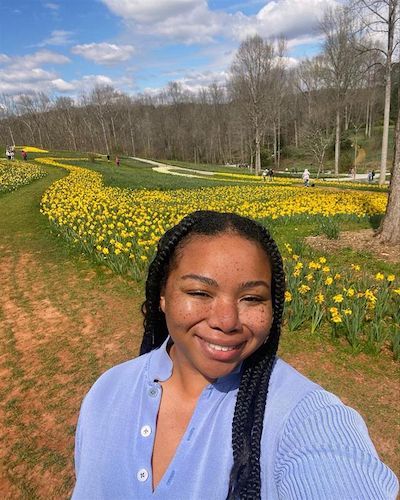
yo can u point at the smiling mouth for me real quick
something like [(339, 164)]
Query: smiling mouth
[(217, 347)]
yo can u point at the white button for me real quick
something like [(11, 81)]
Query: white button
[(153, 392), (142, 475), (145, 431)]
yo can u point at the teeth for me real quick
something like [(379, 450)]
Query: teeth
[(221, 348)]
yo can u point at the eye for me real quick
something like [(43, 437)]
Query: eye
[(198, 293), (253, 298)]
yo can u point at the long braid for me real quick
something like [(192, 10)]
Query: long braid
[(248, 420), (155, 327)]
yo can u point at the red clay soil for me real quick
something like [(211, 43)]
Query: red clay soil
[(57, 335)]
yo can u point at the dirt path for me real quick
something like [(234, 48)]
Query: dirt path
[(59, 335), (63, 321)]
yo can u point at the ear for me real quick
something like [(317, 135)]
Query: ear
[(162, 301)]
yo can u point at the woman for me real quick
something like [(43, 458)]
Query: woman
[(208, 411)]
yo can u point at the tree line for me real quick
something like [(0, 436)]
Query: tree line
[(266, 109)]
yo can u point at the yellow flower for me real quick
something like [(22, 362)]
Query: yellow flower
[(298, 266), (319, 298), (288, 296), (309, 277), (143, 257), (397, 290), (296, 273), (379, 276), (337, 276), (326, 269), (329, 280), (105, 251), (336, 319), (304, 289), (356, 267), (322, 260), (117, 251), (350, 292), (295, 257), (334, 310), (370, 296), (391, 277), (348, 312), (338, 298)]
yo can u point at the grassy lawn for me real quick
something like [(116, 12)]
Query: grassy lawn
[(65, 319)]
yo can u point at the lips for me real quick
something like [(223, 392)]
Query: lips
[(220, 352), (222, 348)]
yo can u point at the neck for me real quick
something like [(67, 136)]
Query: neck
[(185, 378)]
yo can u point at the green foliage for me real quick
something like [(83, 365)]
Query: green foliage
[(329, 227)]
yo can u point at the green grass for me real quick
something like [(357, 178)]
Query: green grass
[(74, 319)]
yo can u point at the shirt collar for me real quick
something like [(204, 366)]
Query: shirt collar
[(160, 367)]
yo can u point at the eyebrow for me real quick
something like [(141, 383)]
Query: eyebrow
[(202, 279), (211, 282)]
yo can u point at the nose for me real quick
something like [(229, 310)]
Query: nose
[(224, 316)]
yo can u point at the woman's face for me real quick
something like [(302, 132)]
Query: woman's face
[(217, 303)]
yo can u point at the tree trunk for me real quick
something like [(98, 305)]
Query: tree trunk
[(337, 142), (367, 121), (389, 230), (12, 137), (385, 134), (258, 148)]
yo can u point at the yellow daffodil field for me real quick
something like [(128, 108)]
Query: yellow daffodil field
[(14, 173), (120, 227), (363, 308)]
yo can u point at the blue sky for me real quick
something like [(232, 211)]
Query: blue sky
[(65, 47)]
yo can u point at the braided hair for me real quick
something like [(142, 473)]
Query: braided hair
[(248, 419)]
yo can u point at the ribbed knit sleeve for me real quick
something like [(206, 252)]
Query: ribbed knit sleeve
[(325, 453)]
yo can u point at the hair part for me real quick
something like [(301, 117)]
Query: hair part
[(249, 412)]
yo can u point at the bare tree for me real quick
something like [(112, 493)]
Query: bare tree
[(316, 142), (342, 69), (250, 77), (381, 18)]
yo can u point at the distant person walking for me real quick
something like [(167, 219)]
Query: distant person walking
[(306, 177), (264, 174), (271, 174), (24, 155), (117, 161)]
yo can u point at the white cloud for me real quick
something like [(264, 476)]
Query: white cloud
[(39, 58), (4, 59), (152, 11), (52, 6), (192, 21), (293, 18), (58, 37), (104, 53)]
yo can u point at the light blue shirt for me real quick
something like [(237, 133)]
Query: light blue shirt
[(313, 447)]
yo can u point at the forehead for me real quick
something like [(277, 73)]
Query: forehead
[(227, 251)]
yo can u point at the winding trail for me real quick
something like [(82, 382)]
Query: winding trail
[(164, 168)]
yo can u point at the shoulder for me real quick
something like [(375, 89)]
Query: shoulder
[(323, 449), (288, 387), (117, 379)]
